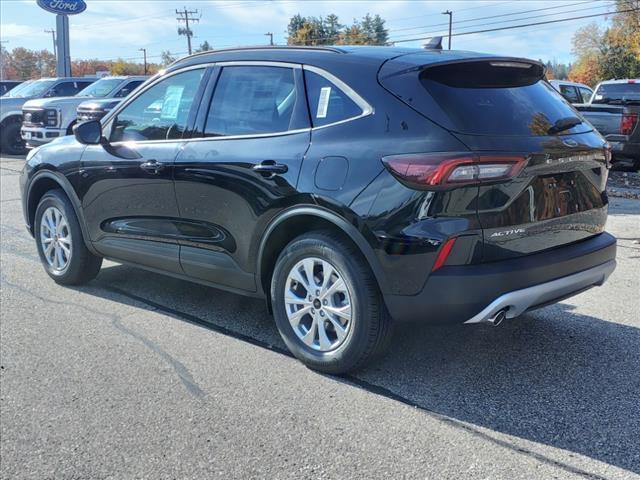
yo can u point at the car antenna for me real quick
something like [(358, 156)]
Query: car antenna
[(434, 44)]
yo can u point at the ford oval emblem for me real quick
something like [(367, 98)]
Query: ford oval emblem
[(570, 143), (63, 7)]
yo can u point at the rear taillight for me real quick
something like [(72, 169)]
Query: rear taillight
[(628, 123), (433, 171)]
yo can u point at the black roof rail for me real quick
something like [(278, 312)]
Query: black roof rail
[(265, 47)]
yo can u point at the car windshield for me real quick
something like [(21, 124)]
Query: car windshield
[(101, 88), (15, 92), (617, 93), (34, 89)]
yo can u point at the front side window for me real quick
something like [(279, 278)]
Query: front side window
[(128, 88), (252, 100), (161, 112), (327, 103), (67, 89), (569, 92)]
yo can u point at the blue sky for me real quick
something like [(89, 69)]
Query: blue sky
[(110, 29)]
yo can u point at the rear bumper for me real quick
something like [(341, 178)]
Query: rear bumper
[(474, 293), (623, 147)]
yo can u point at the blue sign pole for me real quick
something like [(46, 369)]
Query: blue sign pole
[(63, 60), (62, 9)]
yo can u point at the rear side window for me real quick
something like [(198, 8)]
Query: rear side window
[(253, 100), (328, 103), (569, 92), (494, 98), (585, 93)]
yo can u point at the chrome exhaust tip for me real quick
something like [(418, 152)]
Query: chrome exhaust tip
[(498, 318)]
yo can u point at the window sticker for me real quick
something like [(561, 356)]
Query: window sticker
[(171, 102), (323, 102)]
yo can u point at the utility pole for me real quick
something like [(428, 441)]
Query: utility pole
[(144, 51), (187, 16), (53, 36), (450, 13), (270, 35)]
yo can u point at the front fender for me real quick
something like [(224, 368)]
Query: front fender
[(43, 181)]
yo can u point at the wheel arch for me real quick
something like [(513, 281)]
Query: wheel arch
[(296, 221), (45, 181), (10, 117)]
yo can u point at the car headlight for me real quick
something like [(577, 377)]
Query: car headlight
[(51, 117)]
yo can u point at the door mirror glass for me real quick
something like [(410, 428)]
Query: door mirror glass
[(88, 133), (160, 112)]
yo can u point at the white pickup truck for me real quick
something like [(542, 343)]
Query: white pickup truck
[(45, 119)]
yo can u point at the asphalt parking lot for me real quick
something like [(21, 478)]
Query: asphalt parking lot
[(138, 375)]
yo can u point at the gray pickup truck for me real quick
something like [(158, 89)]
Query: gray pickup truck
[(614, 111)]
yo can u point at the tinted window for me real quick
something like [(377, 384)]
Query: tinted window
[(101, 88), (161, 112), (327, 103), (530, 109), (128, 88), (617, 92), (68, 89), (252, 100), (569, 92), (585, 93)]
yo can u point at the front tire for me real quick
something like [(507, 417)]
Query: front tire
[(61, 247), (11, 140), (327, 305)]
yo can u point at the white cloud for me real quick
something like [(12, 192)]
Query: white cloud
[(12, 30)]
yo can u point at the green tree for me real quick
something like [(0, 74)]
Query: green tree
[(328, 31), (204, 47), (610, 53), (332, 28), (380, 33), (167, 58)]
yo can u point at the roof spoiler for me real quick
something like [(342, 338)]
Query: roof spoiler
[(434, 44)]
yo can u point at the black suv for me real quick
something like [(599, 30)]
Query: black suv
[(347, 186)]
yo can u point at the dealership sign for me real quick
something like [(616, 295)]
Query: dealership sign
[(63, 7)]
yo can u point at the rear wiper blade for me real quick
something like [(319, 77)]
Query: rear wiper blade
[(564, 124)]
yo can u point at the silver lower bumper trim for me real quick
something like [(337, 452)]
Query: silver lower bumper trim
[(516, 302)]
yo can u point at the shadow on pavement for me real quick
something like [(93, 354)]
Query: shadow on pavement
[(553, 376)]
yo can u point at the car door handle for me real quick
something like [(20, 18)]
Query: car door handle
[(269, 168), (152, 166)]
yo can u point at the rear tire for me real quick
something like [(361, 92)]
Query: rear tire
[(11, 141), (60, 243), (330, 326)]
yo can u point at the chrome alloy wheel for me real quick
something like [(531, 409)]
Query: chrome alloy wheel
[(55, 239), (318, 304)]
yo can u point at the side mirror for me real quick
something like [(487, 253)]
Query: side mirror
[(88, 133)]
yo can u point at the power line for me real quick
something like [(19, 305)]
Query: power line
[(510, 20), (413, 17), (511, 27), (457, 22)]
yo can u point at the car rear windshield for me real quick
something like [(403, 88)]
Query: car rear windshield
[(618, 93), (496, 98)]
